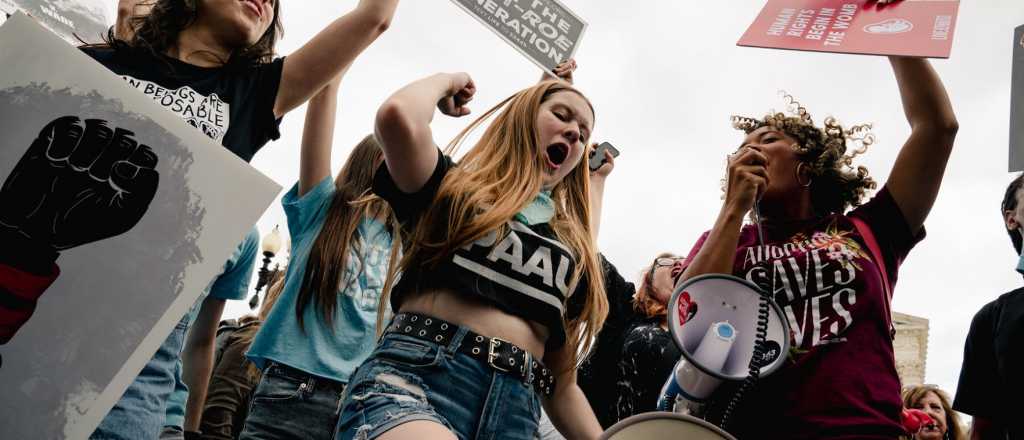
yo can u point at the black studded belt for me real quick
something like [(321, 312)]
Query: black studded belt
[(499, 354)]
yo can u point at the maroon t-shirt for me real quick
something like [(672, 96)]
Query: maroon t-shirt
[(840, 378)]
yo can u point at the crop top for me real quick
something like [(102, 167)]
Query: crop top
[(525, 273)]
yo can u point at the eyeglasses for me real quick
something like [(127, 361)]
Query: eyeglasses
[(666, 261), (660, 262)]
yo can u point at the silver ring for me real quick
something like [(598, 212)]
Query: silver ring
[(479, 339), (444, 326), (423, 332), (438, 338), (427, 322), (476, 350), (408, 329)]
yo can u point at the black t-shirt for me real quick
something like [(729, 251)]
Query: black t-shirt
[(648, 356), (233, 105), (600, 370), (524, 273), (992, 376)]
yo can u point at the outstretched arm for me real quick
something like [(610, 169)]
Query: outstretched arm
[(318, 137), (403, 125), (917, 173), (323, 58)]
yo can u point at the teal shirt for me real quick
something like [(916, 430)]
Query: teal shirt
[(332, 353), (231, 284)]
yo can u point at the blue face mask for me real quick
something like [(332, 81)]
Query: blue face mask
[(540, 210), (1020, 264)]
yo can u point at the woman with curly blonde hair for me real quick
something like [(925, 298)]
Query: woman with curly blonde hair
[(936, 403), (830, 268), (497, 299)]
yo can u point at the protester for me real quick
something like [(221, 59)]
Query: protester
[(933, 401), (477, 341), (623, 367), (990, 379), (211, 61), (232, 89), (324, 324), (234, 377), (830, 277)]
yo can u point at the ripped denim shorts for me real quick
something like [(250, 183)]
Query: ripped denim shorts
[(407, 379)]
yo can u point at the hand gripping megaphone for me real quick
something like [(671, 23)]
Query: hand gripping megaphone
[(727, 331)]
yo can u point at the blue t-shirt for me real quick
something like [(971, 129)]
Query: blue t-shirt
[(231, 284), (332, 353)]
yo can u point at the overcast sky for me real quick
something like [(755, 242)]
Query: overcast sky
[(664, 79)]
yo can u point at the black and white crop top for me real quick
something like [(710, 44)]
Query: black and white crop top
[(525, 273)]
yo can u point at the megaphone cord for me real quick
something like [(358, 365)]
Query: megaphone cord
[(761, 336)]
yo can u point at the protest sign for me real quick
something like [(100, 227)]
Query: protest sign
[(116, 216), (1017, 103), (917, 28), (545, 31), (86, 18)]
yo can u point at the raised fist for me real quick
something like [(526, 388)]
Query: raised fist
[(78, 183)]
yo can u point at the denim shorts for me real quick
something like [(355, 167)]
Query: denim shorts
[(291, 404), (407, 379)]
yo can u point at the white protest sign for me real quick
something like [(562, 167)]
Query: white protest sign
[(87, 20), (545, 31), (121, 214)]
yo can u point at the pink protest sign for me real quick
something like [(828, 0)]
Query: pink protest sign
[(918, 28)]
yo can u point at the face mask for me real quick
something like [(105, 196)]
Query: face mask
[(540, 210), (1020, 263)]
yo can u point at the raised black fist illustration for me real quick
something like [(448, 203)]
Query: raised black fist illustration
[(78, 183)]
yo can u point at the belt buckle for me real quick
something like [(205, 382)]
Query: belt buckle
[(491, 355)]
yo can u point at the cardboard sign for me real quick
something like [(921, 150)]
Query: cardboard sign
[(117, 215), (545, 31), (85, 18), (917, 28), (1017, 103)]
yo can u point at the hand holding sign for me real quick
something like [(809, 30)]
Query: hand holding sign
[(78, 183), (460, 92)]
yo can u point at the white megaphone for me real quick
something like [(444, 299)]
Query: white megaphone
[(715, 320), (664, 426)]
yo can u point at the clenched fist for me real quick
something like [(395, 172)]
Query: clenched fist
[(79, 182)]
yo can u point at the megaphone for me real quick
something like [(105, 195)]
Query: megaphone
[(664, 426), (716, 320)]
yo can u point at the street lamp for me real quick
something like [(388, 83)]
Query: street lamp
[(270, 246)]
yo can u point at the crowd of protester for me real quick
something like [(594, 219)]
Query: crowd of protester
[(432, 298)]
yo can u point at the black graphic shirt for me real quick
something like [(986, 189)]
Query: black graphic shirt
[(526, 272), (233, 105)]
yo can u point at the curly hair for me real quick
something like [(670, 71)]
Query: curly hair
[(836, 185)]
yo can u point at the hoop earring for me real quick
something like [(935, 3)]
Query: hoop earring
[(809, 181)]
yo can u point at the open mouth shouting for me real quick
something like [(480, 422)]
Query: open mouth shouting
[(556, 154)]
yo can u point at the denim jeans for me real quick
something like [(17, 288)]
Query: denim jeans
[(290, 404), (408, 379), (140, 412)]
